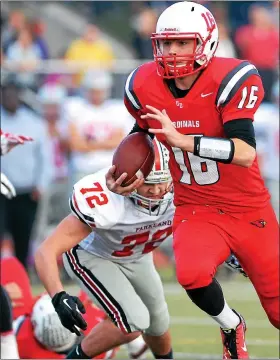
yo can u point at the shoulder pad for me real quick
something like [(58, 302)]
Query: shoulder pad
[(233, 74), (94, 204), (134, 83)]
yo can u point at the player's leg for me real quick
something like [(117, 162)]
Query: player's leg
[(147, 283), (199, 247), (9, 348), (109, 289), (22, 214), (256, 245)]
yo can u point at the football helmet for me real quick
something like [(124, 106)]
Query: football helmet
[(185, 20), (159, 174), (47, 327)]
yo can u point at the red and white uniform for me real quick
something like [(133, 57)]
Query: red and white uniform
[(15, 280), (120, 232), (212, 101), (219, 207)]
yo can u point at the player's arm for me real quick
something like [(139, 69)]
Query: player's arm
[(67, 234), (237, 111), (79, 143)]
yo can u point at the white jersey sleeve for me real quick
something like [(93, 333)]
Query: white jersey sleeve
[(94, 204)]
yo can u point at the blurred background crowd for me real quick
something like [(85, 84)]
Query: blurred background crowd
[(63, 69)]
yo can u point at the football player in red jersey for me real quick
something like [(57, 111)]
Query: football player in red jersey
[(202, 107)]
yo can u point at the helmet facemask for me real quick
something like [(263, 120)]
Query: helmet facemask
[(176, 66)]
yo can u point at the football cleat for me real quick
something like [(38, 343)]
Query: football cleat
[(234, 346)]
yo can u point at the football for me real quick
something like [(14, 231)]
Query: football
[(135, 155)]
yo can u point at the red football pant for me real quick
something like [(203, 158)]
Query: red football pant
[(204, 237)]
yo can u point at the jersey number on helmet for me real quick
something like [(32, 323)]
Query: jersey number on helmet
[(152, 241), (100, 199)]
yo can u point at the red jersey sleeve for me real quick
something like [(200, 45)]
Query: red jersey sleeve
[(132, 99), (240, 93)]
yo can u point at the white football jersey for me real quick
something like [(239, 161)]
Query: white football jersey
[(120, 232), (96, 123), (266, 126)]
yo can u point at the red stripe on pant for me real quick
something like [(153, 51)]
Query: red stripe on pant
[(97, 290)]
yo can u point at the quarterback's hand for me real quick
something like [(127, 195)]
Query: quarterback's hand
[(173, 137), (115, 185), (233, 263), (9, 141), (7, 188), (69, 309)]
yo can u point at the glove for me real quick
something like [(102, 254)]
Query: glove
[(8, 141), (233, 263), (69, 309), (7, 188)]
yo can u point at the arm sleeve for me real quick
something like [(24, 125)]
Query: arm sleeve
[(243, 100), (242, 129)]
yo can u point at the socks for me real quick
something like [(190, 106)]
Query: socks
[(227, 319), (211, 300), (77, 353), (166, 356), (208, 298), (135, 345)]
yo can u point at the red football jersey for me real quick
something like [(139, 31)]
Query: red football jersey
[(228, 89), (16, 281), (30, 348)]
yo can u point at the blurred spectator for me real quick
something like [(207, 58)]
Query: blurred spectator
[(38, 29), (54, 205), (258, 42), (97, 124), (90, 48), (238, 11), (267, 135), (144, 25), (28, 167), (225, 47), (16, 23), (27, 53)]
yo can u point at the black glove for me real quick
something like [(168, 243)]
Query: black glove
[(234, 264), (69, 309)]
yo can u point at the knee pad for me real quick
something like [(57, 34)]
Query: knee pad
[(159, 322)]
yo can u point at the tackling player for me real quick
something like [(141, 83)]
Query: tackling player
[(202, 107), (8, 342), (107, 244)]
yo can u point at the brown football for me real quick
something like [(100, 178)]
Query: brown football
[(135, 155)]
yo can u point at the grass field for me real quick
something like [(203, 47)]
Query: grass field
[(196, 336)]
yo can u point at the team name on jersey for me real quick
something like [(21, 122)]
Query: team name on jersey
[(186, 123), (151, 226)]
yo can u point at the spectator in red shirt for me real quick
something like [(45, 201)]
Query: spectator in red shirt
[(258, 42)]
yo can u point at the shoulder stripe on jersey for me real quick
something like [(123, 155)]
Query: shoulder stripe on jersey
[(98, 290), (129, 92), (75, 212), (84, 218), (232, 82)]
